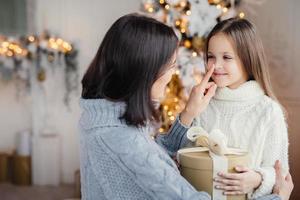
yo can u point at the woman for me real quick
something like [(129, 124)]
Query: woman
[(124, 82)]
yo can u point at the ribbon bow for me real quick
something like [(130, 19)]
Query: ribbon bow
[(215, 142)]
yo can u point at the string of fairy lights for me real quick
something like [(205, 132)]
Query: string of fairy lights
[(14, 48)]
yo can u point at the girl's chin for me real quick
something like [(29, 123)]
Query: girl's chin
[(221, 84)]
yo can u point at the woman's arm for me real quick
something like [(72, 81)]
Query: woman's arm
[(284, 184), (174, 139), (149, 167), (196, 104)]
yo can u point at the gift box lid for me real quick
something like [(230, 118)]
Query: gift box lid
[(202, 160)]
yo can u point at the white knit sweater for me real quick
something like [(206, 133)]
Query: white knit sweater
[(251, 121)]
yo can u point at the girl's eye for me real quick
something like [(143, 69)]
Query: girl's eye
[(210, 57), (227, 57)]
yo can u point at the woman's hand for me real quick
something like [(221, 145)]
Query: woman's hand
[(284, 184), (236, 184), (199, 99)]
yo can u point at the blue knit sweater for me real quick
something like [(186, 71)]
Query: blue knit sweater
[(118, 161)]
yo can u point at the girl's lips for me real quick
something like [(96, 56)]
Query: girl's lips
[(219, 74)]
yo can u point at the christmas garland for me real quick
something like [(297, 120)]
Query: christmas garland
[(18, 56)]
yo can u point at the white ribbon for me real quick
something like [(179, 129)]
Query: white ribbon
[(216, 144), (220, 164)]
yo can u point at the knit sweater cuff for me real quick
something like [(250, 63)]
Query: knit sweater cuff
[(174, 139), (181, 124), (177, 129), (269, 197), (266, 186)]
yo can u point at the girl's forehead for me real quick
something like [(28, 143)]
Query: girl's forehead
[(220, 43)]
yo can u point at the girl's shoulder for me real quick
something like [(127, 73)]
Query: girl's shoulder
[(271, 104), (272, 108)]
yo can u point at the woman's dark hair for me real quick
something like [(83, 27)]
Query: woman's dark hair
[(132, 55)]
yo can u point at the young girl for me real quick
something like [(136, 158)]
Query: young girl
[(244, 107)]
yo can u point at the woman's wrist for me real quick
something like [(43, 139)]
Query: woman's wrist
[(185, 118)]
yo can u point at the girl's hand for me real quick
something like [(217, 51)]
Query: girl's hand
[(236, 184), (199, 99), (284, 184)]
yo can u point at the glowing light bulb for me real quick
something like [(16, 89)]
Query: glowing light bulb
[(31, 38), (242, 15)]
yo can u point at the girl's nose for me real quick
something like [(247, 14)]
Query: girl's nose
[(218, 65)]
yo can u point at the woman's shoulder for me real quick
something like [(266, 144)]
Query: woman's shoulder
[(108, 132), (119, 139)]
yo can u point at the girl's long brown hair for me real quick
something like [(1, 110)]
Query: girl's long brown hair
[(249, 48)]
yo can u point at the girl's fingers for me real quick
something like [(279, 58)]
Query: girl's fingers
[(228, 187), (231, 193), (241, 168), (228, 181), (230, 176)]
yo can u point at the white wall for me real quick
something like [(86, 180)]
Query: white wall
[(14, 115), (80, 21)]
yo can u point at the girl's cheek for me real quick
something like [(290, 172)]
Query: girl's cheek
[(228, 66)]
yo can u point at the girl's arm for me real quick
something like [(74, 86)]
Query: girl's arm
[(276, 148)]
